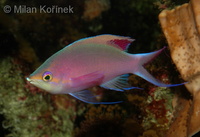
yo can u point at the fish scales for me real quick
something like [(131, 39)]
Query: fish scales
[(99, 60)]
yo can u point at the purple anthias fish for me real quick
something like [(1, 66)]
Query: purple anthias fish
[(94, 61)]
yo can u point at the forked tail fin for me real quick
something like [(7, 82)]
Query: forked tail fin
[(147, 76), (142, 72)]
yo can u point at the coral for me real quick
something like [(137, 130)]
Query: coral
[(129, 131), (94, 8), (179, 123), (108, 120), (181, 27), (30, 113), (149, 133), (164, 4), (156, 104), (104, 120), (26, 52), (101, 127), (145, 113), (159, 110), (57, 29)]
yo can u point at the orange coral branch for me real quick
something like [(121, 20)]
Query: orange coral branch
[(181, 27)]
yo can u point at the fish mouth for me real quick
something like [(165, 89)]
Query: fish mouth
[(29, 80), (34, 82)]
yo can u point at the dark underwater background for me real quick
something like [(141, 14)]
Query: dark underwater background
[(28, 39)]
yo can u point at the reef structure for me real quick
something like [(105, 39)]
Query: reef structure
[(94, 8), (181, 27), (28, 111)]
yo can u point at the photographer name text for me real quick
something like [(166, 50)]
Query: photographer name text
[(21, 9)]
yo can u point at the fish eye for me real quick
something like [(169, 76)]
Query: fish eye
[(47, 76)]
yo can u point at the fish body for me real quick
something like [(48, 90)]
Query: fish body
[(99, 60)]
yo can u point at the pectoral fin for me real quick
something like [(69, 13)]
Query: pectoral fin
[(88, 80), (88, 97), (119, 83)]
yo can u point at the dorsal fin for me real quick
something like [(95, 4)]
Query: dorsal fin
[(119, 42)]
